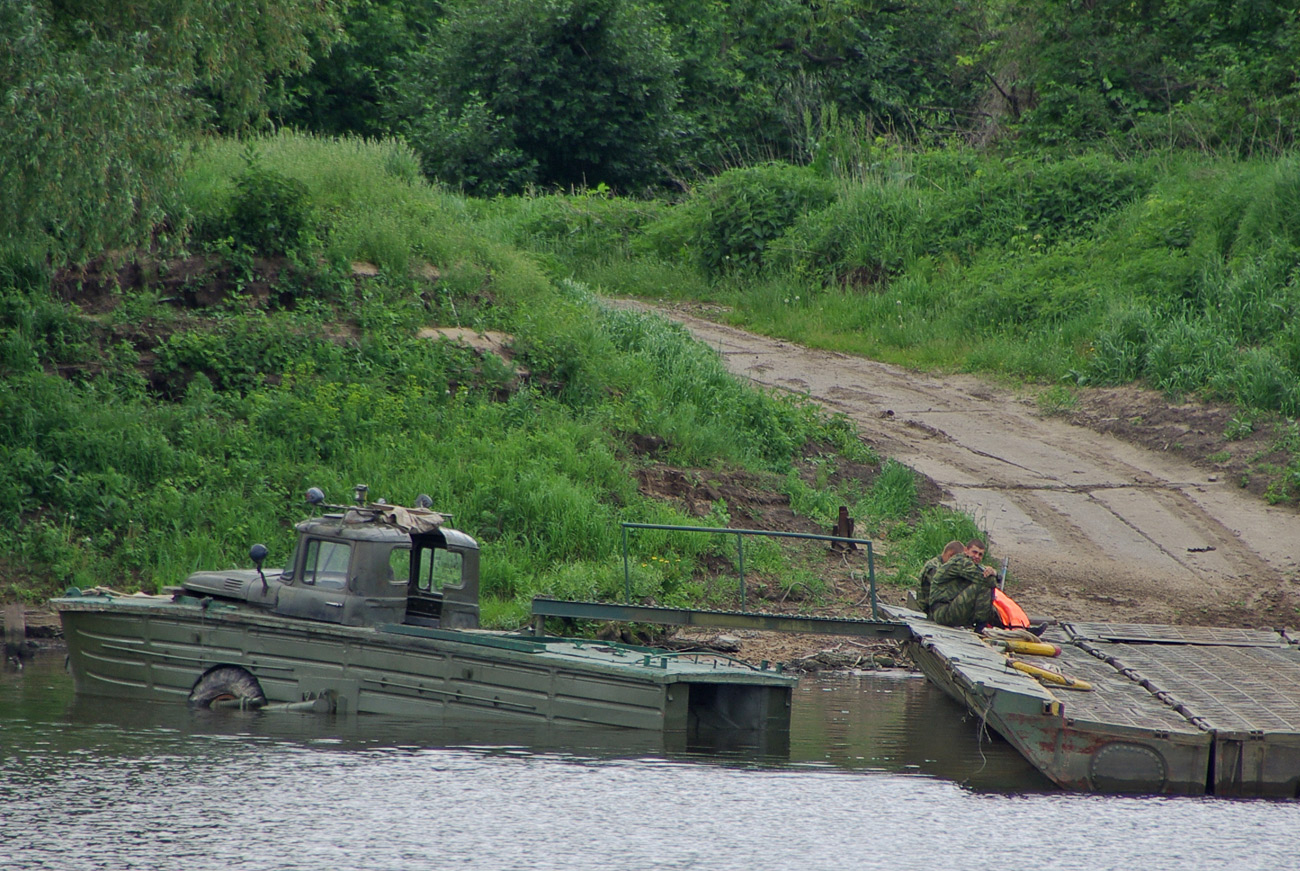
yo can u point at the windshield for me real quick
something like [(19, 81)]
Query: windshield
[(326, 564), (286, 574)]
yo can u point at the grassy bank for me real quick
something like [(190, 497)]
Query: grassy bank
[(1174, 271), (163, 411)]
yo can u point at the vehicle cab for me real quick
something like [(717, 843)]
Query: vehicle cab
[(363, 566)]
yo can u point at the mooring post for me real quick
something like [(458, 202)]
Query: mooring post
[(871, 577), (15, 631)]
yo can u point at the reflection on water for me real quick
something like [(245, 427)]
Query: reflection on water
[(881, 771), (898, 722)]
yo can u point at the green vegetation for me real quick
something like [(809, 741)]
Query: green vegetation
[(100, 102), (1068, 195), (140, 470), (1178, 271), (558, 91)]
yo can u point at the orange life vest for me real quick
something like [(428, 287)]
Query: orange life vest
[(1011, 614)]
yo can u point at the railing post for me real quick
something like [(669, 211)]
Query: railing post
[(871, 577), (627, 572), (740, 550), (740, 553)]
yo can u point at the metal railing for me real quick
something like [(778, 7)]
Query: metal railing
[(740, 552), (628, 613)]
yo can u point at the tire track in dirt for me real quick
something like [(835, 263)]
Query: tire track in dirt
[(1094, 527)]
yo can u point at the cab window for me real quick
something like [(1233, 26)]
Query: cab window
[(399, 566), (326, 564), (438, 568)]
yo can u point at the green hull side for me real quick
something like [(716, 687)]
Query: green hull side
[(147, 649)]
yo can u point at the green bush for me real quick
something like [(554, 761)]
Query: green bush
[(867, 236), (1033, 202), (1196, 75), (585, 228), (561, 92), (36, 330), (270, 211), (733, 219), (473, 149)]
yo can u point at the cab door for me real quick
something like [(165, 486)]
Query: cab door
[(319, 588)]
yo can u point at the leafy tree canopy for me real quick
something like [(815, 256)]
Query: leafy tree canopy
[(560, 92), (756, 73), (225, 52), (352, 84), (1201, 73), (98, 97)]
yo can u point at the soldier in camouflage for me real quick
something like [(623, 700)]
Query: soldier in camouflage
[(961, 593), (930, 569)]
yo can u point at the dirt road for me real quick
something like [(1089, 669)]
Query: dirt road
[(1095, 527)]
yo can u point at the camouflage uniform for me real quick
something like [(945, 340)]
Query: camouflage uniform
[(960, 595), (928, 571)]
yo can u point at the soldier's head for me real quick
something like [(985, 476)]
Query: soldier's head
[(975, 550), (950, 550)]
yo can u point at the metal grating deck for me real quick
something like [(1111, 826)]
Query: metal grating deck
[(1116, 699), (1234, 689), (1177, 709)]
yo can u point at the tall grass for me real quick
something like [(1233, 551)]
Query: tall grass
[(121, 481), (369, 193), (1180, 271)]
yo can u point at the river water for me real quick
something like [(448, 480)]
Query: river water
[(882, 771)]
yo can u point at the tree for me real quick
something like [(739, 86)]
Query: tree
[(558, 92), (352, 82), (88, 141), (1207, 73), (754, 72), (223, 53), (97, 98)]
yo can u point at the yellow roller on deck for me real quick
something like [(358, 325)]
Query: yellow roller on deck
[(1023, 646), (1051, 677), (1031, 648)]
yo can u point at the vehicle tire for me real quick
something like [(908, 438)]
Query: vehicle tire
[(227, 683)]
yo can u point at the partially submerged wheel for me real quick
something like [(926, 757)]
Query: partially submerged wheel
[(227, 686)]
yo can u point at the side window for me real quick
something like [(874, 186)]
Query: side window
[(399, 566), (439, 568), (326, 564)]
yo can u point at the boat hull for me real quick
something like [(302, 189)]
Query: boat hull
[(158, 649)]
